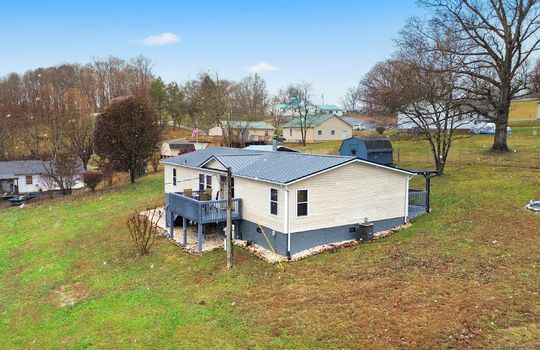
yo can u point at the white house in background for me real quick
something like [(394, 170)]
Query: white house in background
[(177, 147), (246, 131), (330, 109), (300, 200), (464, 122), (286, 110), (25, 176), (321, 127)]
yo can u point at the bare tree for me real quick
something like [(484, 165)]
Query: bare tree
[(425, 99), (62, 172), (422, 86), (535, 78), (497, 38), (352, 99), (298, 98)]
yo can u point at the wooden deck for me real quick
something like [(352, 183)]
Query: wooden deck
[(203, 212)]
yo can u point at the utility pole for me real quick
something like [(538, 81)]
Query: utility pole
[(228, 230)]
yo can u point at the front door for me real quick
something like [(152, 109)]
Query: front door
[(344, 134)]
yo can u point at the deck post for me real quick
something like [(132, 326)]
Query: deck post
[(184, 228), (200, 236), (171, 225)]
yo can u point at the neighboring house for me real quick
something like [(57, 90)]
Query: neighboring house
[(300, 200), (174, 148), (538, 111), (245, 131), (321, 127), (330, 109), (464, 122), (287, 110), (25, 176)]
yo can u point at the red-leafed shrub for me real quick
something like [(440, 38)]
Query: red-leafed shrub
[(91, 180)]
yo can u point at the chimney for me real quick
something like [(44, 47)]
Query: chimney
[(274, 145)]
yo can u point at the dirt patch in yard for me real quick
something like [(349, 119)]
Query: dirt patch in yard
[(69, 294)]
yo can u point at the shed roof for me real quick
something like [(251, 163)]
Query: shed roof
[(372, 145), (276, 167), (22, 167)]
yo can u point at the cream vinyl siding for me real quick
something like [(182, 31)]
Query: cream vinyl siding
[(330, 124), (215, 131), (256, 202), (188, 178), (297, 135), (348, 194)]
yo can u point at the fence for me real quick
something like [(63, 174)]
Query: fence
[(470, 156), (417, 202)]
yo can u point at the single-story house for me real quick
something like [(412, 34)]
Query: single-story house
[(288, 110), (465, 122), (330, 109), (300, 200), (25, 176), (177, 147), (245, 131), (321, 127)]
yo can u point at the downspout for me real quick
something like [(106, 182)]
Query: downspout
[(407, 199), (286, 223)]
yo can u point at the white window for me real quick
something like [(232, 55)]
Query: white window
[(302, 203), (333, 132), (174, 176), (319, 132), (273, 201), (205, 182)]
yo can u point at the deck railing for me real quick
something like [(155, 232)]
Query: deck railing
[(202, 211), (417, 202)]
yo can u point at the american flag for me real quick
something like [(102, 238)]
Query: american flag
[(195, 131)]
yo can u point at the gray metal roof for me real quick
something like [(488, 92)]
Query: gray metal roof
[(22, 167), (278, 167)]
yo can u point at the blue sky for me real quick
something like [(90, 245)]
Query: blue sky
[(328, 43)]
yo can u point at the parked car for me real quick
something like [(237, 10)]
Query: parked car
[(358, 127), (279, 138), (18, 200), (487, 129)]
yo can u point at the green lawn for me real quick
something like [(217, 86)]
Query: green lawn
[(465, 275)]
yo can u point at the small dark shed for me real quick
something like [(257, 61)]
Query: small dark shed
[(375, 150)]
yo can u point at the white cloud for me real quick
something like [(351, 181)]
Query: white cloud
[(161, 39), (261, 67)]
